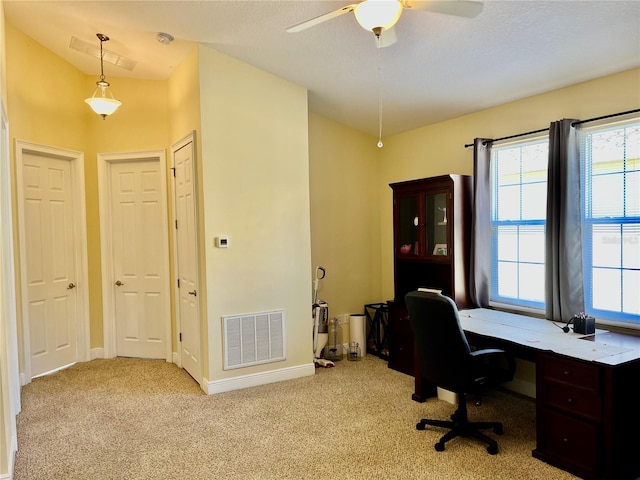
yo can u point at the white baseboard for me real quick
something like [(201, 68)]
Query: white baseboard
[(255, 379), (96, 353)]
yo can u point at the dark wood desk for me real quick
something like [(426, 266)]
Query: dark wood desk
[(587, 413)]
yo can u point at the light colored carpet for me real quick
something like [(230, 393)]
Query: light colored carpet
[(146, 419)]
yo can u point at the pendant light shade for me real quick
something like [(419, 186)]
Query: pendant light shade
[(378, 15), (103, 102)]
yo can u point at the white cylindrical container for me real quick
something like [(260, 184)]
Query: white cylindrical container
[(358, 331)]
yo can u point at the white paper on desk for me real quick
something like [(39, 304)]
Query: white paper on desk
[(587, 350), (535, 332)]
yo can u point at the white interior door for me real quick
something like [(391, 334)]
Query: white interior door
[(137, 253), (53, 254), (188, 317)]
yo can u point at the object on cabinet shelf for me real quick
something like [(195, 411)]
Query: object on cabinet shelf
[(444, 216), (440, 249)]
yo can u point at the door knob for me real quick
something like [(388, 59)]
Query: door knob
[(71, 285), (119, 283), (193, 293)]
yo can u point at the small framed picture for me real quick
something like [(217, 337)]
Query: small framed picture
[(440, 249)]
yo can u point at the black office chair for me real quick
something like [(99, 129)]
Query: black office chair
[(446, 360)]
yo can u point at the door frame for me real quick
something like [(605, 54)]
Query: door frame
[(76, 160), (105, 160), (189, 138)]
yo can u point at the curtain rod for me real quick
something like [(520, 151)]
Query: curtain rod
[(579, 122)]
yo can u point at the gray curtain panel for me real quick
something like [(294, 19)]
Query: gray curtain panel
[(564, 291), (480, 262)]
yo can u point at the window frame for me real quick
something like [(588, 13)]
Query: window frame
[(495, 299), (589, 220)]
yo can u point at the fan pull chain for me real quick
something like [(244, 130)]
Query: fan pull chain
[(380, 144)]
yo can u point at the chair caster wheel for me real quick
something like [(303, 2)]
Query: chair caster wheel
[(492, 449), (498, 430), (439, 447), (420, 426)]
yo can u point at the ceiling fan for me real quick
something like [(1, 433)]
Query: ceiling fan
[(380, 16)]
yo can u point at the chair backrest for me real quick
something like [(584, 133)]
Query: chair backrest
[(443, 354)]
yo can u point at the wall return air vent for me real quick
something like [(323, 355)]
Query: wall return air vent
[(253, 338)]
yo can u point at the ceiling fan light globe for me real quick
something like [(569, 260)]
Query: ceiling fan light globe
[(378, 15)]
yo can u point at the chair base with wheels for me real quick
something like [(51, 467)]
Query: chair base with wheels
[(460, 426)]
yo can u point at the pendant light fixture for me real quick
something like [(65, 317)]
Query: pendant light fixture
[(102, 102)]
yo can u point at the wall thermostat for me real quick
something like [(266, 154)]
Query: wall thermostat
[(222, 242)]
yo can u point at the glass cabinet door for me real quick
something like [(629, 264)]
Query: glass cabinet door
[(409, 226), (436, 223)]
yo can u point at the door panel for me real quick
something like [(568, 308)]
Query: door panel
[(187, 258), (50, 262), (137, 223)]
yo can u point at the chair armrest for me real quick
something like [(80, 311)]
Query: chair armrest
[(488, 351)]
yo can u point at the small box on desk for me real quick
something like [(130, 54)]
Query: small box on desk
[(584, 324)]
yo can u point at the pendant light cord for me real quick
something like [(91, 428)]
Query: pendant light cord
[(101, 61)]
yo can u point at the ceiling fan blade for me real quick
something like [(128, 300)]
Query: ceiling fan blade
[(460, 8), (387, 38), (322, 18)]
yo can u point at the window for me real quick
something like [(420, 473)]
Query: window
[(610, 159), (518, 211)]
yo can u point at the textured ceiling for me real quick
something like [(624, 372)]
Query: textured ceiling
[(441, 67)]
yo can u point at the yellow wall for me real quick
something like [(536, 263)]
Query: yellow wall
[(46, 106), (255, 177), (140, 124), (350, 178), (344, 170), (184, 107), (439, 149)]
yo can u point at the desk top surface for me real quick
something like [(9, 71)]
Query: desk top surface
[(539, 334)]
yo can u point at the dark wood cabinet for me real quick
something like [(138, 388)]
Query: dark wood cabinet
[(586, 418), (431, 230)]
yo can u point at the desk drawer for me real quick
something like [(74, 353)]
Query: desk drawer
[(569, 371), (572, 443), (573, 400)]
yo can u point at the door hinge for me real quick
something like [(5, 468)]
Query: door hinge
[(180, 335), (173, 169), (178, 283), (176, 224)]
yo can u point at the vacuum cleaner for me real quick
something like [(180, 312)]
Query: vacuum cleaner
[(320, 314)]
